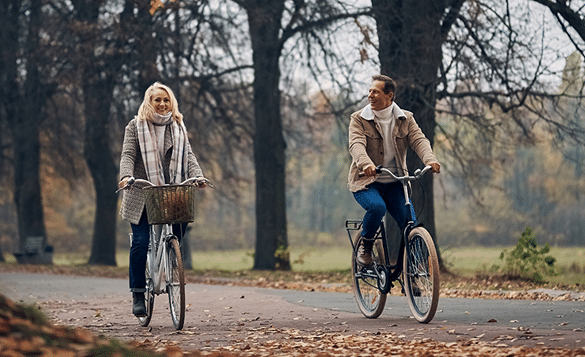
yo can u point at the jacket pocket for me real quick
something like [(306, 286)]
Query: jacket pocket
[(375, 146), (372, 133)]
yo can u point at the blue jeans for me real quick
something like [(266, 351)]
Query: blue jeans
[(139, 250), (378, 198)]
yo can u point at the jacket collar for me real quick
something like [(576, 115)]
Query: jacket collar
[(368, 114)]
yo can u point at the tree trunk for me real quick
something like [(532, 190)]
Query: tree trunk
[(24, 118), (98, 85), (99, 158), (264, 19), (410, 52), (9, 11)]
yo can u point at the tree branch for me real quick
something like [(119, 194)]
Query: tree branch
[(571, 16)]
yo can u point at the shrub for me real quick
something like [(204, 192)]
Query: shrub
[(527, 260)]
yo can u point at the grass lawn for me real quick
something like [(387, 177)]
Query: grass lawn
[(463, 261), (471, 260)]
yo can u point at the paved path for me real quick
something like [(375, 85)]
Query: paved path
[(222, 315)]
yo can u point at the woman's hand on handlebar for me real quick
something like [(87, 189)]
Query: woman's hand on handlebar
[(123, 182), (201, 182)]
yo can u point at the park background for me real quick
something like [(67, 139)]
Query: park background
[(509, 119)]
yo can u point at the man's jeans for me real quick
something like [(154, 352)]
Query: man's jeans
[(139, 250), (378, 198)]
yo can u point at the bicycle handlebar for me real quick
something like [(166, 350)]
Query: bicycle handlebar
[(417, 173), (194, 180)]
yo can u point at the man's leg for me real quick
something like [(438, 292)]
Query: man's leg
[(371, 200), (396, 204)]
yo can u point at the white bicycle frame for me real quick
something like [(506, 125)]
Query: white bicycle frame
[(157, 258)]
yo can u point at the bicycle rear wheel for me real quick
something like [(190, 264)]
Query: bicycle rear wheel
[(176, 283), (421, 275), (365, 282)]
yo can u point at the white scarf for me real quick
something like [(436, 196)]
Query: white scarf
[(151, 155)]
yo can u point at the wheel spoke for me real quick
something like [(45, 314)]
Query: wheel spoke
[(176, 284), (365, 284), (421, 275)]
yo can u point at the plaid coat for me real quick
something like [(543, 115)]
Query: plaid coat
[(131, 164)]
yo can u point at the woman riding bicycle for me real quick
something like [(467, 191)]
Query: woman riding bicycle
[(156, 148), (380, 134)]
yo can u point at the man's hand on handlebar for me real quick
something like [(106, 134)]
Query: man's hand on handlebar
[(370, 170), (435, 167)]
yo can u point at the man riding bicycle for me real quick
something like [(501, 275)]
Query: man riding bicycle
[(380, 134)]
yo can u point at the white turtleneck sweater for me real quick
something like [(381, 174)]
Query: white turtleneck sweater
[(387, 119)]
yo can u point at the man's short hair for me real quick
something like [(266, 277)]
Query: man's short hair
[(389, 84)]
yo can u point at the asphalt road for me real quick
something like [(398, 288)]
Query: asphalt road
[(220, 314)]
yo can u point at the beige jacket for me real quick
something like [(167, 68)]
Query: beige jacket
[(131, 164), (366, 146)]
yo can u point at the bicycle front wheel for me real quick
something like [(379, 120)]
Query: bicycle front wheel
[(176, 284), (365, 282), (148, 300), (421, 275)]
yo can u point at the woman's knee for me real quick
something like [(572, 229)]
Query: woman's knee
[(140, 238)]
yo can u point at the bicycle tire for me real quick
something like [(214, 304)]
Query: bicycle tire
[(176, 284), (148, 298), (421, 275), (369, 299)]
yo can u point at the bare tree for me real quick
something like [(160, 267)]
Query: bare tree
[(25, 91), (465, 52), (268, 36), (99, 54)]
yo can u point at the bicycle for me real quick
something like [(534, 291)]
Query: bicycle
[(166, 205), (417, 266)]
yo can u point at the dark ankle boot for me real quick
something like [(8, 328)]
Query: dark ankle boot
[(364, 253), (138, 306)]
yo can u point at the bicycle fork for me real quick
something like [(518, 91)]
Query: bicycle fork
[(158, 265)]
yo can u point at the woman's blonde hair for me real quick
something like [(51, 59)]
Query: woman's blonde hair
[(147, 111)]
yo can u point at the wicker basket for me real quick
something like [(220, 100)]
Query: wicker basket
[(170, 204)]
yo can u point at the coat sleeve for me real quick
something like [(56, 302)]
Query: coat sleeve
[(130, 150), (357, 142), (194, 168), (419, 143)]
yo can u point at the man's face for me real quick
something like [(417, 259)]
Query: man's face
[(377, 98)]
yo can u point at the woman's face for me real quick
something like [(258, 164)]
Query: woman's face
[(161, 101)]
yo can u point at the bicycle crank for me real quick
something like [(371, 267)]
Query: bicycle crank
[(384, 285)]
